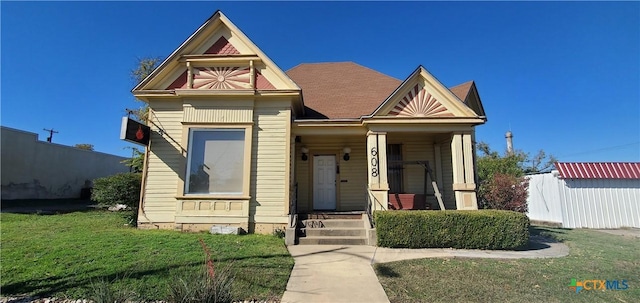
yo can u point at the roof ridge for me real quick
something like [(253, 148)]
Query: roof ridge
[(465, 83), (343, 62), (369, 68)]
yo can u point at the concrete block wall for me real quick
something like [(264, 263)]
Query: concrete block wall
[(33, 169)]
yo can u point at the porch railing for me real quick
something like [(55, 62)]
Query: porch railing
[(371, 202)]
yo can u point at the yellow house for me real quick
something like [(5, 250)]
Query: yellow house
[(236, 141)]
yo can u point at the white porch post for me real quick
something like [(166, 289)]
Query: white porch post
[(377, 169), (464, 186)]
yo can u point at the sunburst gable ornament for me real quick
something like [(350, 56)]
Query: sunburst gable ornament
[(419, 103), (222, 78)]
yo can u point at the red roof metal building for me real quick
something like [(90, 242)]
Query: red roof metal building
[(599, 170)]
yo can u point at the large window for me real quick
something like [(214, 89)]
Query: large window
[(215, 161)]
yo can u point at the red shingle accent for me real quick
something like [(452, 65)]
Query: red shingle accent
[(599, 170), (262, 82), (222, 47), (180, 82)]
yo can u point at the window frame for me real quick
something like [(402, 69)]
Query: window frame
[(187, 131), (397, 168)]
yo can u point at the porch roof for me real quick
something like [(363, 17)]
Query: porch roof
[(347, 90)]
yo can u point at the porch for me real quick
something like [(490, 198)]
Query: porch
[(351, 172)]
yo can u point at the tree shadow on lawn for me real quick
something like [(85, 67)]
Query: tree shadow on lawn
[(50, 285), (48, 207), (59, 284), (541, 237), (551, 235), (385, 271)]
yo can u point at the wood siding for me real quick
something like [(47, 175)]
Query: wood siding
[(270, 162), (269, 159), (166, 162), (415, 148), (218, 114)]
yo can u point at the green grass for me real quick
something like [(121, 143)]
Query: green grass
[(63, 254), (593, 255)]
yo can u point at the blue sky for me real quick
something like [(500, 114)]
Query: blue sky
[(563, 76)]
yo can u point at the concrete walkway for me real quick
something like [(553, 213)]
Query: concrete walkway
[(334, 273)]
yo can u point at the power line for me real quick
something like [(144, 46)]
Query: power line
[(51, 132), (600, 149)]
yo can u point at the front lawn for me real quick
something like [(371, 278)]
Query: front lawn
[(593, 256), (63, 254)]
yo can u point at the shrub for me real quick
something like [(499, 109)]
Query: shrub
[(470, 229), (102, 291), (123, 188), (505, 192)]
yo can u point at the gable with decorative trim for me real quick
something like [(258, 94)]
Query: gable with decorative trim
[(418, 102), (218, 56), (422, 96)]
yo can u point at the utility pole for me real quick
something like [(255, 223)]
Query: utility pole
[(51, 132)]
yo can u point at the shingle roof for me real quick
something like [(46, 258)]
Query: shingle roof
[(461, 91), (600, 170), (340, 90), (343, 90)]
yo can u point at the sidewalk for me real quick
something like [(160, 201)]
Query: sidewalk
[(334, 273)]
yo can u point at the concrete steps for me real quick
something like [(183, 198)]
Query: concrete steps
[(332, 232), (332, 241), (332, 229), (331, 223)]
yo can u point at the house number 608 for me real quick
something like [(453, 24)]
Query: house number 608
[(374, 162)]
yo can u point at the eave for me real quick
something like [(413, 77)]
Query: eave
[(422, 120), (145, 94), (328, 128)]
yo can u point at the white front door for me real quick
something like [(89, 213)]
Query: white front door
[(324, 182)]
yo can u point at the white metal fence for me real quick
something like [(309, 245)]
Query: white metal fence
[(584, 203)]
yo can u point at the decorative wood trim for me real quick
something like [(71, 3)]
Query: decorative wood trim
[(419, 103), (214, 92), (252, 75), (457, 158), (469, 174), (222, 78), (209, 219), (214, 58), (422, 120), (189, 76), (464, 186)]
